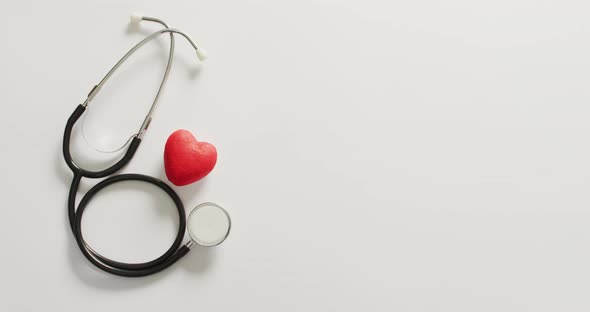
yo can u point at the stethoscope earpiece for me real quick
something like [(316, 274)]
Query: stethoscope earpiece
[(135, 18), (202, 54)]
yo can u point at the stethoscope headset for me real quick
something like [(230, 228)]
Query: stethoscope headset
[(209, 223)]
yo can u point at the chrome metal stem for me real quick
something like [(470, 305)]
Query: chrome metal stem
[(149, 38)]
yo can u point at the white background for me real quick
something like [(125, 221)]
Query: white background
[(374, 155)]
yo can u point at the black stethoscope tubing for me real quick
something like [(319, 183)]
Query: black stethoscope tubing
[(173, 254)]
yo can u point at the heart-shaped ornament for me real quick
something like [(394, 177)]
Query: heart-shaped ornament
[(187, 160)]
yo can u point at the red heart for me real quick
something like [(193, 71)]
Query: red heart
[(187, 160)]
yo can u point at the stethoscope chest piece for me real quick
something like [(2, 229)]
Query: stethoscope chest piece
[(208, 224)]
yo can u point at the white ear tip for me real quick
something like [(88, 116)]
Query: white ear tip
[(135, 18), (202, 54)]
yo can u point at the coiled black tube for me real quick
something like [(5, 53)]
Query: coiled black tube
[(173, 254)]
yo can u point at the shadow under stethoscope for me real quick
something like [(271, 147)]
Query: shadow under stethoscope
[(197, 261)]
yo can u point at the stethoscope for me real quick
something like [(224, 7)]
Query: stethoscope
[(208, 223)]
